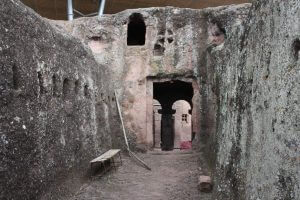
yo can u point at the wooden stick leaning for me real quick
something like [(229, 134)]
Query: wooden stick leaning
[(125, 136)]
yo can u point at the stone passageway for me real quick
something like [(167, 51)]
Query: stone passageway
[(174, 176)]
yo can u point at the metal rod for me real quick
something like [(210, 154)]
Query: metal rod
[(91, 14), (101, 7), (70, 10), (83, 15), (79, 13)]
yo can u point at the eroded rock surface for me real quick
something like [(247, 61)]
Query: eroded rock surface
[(51, 93), (240, 62), (175, 48), (257, 80)]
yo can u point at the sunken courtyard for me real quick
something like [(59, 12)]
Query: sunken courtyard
[(150, 100)]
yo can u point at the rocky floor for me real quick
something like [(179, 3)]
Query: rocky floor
[(173, 176)]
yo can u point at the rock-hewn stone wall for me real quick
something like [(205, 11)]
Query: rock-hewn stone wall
[(175, 49), (257, 86), (58, 108), (55, 105)]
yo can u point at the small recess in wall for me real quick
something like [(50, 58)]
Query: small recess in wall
[(54, 85), (15, 77), (77, 86), (41, 82), (86, 90), (296, 49), (136, 31), (170, 40), (158, 50), (66, 86)]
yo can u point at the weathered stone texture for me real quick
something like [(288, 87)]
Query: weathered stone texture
[(175, 49), (257, 81), (55, 104), (58, 109)]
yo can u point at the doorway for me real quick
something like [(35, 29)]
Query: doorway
[(169, 129)]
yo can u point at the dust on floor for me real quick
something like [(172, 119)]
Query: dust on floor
[(173, 176)]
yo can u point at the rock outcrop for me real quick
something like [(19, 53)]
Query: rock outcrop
[(56, 105), (257, 86)]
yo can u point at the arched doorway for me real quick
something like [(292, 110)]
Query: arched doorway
[(165, 95), (182, 124)]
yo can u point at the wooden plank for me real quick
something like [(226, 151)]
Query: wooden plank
[(107, 155)]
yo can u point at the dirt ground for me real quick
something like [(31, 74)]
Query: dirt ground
[(173, 176)]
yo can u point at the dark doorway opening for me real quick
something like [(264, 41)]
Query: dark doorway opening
[(167, 93), (136, 30)]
